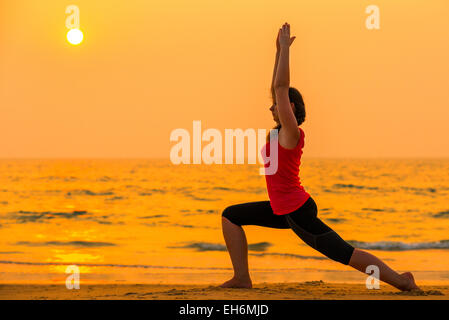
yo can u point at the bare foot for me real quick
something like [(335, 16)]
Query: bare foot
[(411, 286), (237, 283)]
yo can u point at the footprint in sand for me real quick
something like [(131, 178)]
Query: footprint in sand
[(420, 293), (174, 292), (314, 283)]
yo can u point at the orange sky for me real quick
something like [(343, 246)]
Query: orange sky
[(148, 67)]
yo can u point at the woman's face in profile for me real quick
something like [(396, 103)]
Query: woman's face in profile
[(274, 112)]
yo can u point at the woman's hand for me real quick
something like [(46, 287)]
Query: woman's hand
[(283, 38)]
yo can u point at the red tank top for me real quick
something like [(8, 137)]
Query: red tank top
[(284, 187)]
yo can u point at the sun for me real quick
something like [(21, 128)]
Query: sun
[(75, 36)]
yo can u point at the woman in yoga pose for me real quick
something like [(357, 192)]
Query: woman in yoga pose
[(290, 206)]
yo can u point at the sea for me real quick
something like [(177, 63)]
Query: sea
[(150, 221)]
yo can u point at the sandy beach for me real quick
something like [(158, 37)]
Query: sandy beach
[(312, 290)]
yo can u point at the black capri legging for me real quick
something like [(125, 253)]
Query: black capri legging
[(303, 221)]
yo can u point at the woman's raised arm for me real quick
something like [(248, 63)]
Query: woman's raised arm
[(276, 62), (281, 87)]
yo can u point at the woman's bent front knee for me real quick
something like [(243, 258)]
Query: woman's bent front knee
[(229, 214)]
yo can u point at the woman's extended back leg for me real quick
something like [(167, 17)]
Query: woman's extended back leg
[(321, 237)]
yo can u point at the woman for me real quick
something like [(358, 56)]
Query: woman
[(290, 206)]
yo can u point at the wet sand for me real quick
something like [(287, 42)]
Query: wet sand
[(311, 290)]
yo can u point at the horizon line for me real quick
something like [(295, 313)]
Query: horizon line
[(168, 159)]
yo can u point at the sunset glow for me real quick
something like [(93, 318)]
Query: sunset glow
[(75, 36), (368, 92), (149, 146)]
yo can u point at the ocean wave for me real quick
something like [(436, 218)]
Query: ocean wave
[(116, 198), (144, 266), (153, 216), (225, 189), (167, 224), (441, 214), (199, 211), (157, 190), (199, 198), (400, 246), (431, 190), (415, 190), (104, 179), (246, 190), (85, 192), (379, 210), (146, 191), (353, 186), (335, 220), (84, 244), (65, 179), (287, 255), (36, 216), (205, 246), (183, 225)]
